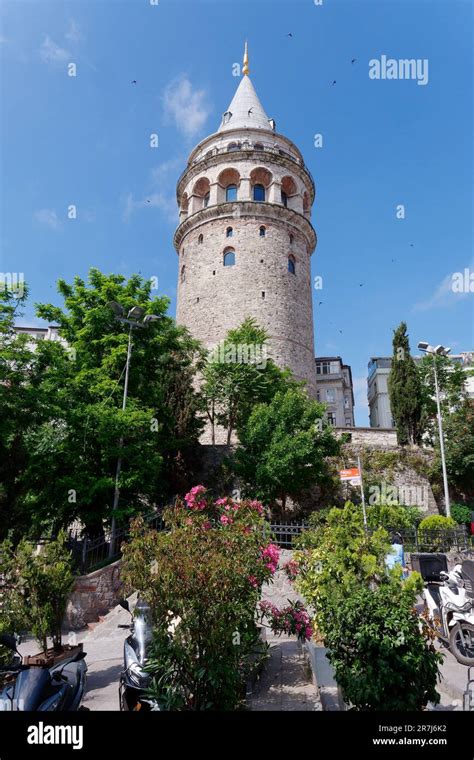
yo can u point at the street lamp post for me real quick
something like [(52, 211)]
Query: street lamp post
[(439, 351), (134, 320)]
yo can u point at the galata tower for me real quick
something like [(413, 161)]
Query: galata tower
[(245, 237)]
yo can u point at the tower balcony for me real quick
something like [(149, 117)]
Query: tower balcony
[(234, 210), (214, 157)]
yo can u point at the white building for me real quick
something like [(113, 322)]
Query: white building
[(380, 413)]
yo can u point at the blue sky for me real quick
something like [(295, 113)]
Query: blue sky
[(84, 140)]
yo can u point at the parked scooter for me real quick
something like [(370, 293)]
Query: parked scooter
[(37, 687), (451, 610), (134, 680)]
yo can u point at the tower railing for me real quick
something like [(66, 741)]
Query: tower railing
[(243, 153)]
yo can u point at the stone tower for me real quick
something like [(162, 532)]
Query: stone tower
[(245, 238)]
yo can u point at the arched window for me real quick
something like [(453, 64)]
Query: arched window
[(183, 273), (292, 237), (291, 264), (258, 192), (229, 232), (262, 231), (229, 258), (206, 200), (284, 198), (232, 147), (258, 146), (200, 239), (231, 193)]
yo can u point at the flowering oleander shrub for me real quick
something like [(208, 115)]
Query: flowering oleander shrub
[(293, 619), (291, 569), (206, 571)]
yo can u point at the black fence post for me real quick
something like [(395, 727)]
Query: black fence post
[(84, 555)]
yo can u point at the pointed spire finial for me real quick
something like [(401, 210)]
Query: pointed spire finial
[(245, 69)]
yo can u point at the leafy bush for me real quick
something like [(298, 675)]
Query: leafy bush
[(392, 517), (382, 660), (365, 614), (437, 522), (461, 513), (38, 585), (202, 579)]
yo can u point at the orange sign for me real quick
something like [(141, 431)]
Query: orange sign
[(349, 474)]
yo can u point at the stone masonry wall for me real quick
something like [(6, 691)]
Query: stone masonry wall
[(93, 595)]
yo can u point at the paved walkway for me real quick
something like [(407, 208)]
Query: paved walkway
[(286, 682)]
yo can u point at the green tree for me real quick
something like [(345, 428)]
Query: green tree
[(458, 430), (237, 375), (283, 446), (451, 384), (405, 390), (37, 586), (82, 429)]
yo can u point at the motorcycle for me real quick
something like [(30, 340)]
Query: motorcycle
[(450, 610), (59, 688), (134, 680)]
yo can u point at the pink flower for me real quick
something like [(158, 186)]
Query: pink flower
[(271, 555), (206, 525), (190, 498), (253, 581), (221, 502), (226, 520)]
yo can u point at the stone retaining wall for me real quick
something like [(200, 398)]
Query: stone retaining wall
[(93, 595)]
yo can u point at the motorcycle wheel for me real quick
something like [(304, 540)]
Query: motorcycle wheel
[(461, 641)]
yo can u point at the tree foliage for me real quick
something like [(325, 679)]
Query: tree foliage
[(61, 447), (283, 446), (405, 390)]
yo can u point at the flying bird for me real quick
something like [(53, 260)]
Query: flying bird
[(360, 284), (289, 34), (354, 60), (319, 304), (334, 83), (411, 245), (134, 81)]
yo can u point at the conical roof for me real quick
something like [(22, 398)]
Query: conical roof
[(245, 109)]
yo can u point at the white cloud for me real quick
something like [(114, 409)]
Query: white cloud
[(186, 107), (48, 218), (442, 296), (154, 200), (73, 32), (162, 172), (50, 52)]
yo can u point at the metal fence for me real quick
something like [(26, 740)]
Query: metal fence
[(91, 554)]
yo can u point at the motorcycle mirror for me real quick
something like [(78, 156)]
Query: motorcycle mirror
[(8, 641), (124, 604), (79, 656)]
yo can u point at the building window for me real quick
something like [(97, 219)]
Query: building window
[(258, 193), (291, 265), (183, 273), (205, 201), (262, 231), (263, 294), (200, 239), (292, 238), (284, 198), (330, 395), (231, 193), (229, 258), (331, 419), (226, 117), (346, 402), (229, 232), (258, 146), (318, 395), (232, 147), (348, 422)]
